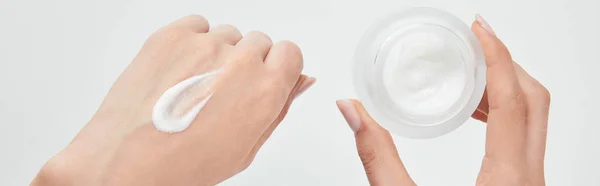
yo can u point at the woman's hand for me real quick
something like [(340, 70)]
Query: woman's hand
[(120, 146), (515, 106)]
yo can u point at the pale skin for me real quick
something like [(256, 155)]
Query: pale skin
[(120, 146), (515, 108), (258, 82)]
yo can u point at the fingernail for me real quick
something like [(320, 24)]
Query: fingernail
[(309, 82), (482, 111), (484, 24), (349, 112)]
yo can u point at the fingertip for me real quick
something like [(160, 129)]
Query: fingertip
[(494, 50), (348, 110), (358, 117), (306, 83), (311, 79), (501, 77), (483, 24), (480, 116), (484, 36), (474, 26), (376, 149), (363, 113)]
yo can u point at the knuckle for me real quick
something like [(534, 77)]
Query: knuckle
[(231, 30), (178, 29), (541, 94), (290, 48), (195, 18), (189, 24), (55, 171), (383, 136), (536, 93), (292, 52), (260, 35), (229, 27), (502, 49), (386, 136), (381, 133)]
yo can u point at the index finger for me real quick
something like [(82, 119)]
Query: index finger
[(506, 130)]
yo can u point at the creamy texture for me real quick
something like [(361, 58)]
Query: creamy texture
[(424, 72), (420, 72), (177, 108)]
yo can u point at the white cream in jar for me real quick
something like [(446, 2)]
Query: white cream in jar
[(420, 72)]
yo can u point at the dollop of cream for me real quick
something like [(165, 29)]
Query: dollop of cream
[(179, 105), (425, 75)]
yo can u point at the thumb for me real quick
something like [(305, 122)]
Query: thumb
[(375, 147)]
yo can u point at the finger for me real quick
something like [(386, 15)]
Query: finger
[(195, 23), (304, 82), (506, 130), (284, 62), (255, 43), (538, 104), (479, 115), (501, 78), (304, 87), (484, 106), (228, 33), (375, 147)]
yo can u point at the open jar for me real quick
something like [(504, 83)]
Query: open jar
[(420, 72)]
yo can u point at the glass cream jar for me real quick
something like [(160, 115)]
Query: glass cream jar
[(420, 72)]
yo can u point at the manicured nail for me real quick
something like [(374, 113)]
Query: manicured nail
[(484, 24), (307, 83), (482, 111), (349, 112)]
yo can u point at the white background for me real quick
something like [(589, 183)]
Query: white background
[(58, 58)]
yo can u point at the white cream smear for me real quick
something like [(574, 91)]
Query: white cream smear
[(177, 108), (424, 72)]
